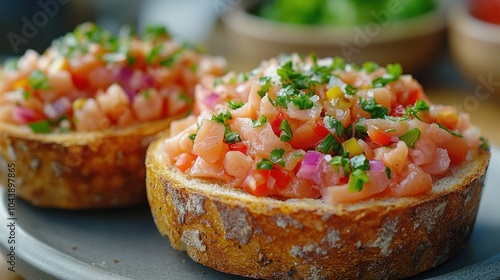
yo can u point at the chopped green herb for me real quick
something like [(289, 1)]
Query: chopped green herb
[(155, 31), (266, 85), (192, 136), (376, 110), (360, 162), (234, 104), (38, 80), (360, 131), (40, 126), (302, 101), (350, 90), (392, 75), (450, 131), (222, 117), (145, 93), (410, 137), (231, 137), (356, 180), (153, 54), (341, 162), (388, 172), (338, 63), (369, 66), (276, 157), (264, 164), (328, 144), (242, 77), (484, 143), (286, 131), (26, 94), (261, 121), (291, 77), (217, 82), (334, 124)]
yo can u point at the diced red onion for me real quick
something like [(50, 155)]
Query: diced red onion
[(124, 74), (377, 165), (148, 81), (211, 100), (24, 115), (311, 167), (61, 106)]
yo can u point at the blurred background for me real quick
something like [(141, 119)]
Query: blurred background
[(451, 46)]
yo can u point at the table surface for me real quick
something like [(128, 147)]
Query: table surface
[(444, 84)]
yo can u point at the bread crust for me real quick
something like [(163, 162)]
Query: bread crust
[(79, 170), (379, 238)]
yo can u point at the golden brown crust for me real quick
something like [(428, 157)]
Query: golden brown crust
[(241, 234), (80, 170)]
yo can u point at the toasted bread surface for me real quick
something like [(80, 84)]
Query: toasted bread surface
[(79, 170), (261, 237)]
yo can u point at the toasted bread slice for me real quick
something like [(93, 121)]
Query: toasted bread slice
[(78, 170), (261, 237)]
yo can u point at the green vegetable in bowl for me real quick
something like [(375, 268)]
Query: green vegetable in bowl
[(341, 12)]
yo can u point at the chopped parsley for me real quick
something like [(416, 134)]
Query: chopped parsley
[(484, 143), (388, 172), (450, 131), (275, 157), (222, 117), (302, 101), (266, 85), (376, 110), (329, 144), (369, 66), (40, 126), (356, 180), (234, 104), (334, 124), (410, 137), (350, 90), (340, 162), (38, 80), (260, 122), (229, 136), (394, 71), (192, 136), (286, 131)]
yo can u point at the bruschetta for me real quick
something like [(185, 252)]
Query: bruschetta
[(76, 120), (315, 168)]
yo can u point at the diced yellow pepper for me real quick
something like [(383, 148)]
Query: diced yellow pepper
[(78, 103), (352, 147), (23, 83), (334, 92)]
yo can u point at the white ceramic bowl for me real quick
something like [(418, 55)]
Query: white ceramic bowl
[(412, 42), (475, 46)]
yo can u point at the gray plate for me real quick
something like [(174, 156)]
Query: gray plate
[(124, 243)]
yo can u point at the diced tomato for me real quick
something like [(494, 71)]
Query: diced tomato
[(256, 182), (275, 124), (308, 135), (398, 111), (184, 161), (379, 137), (282, 176), (239, 146), (80, 81), (164, 108)]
